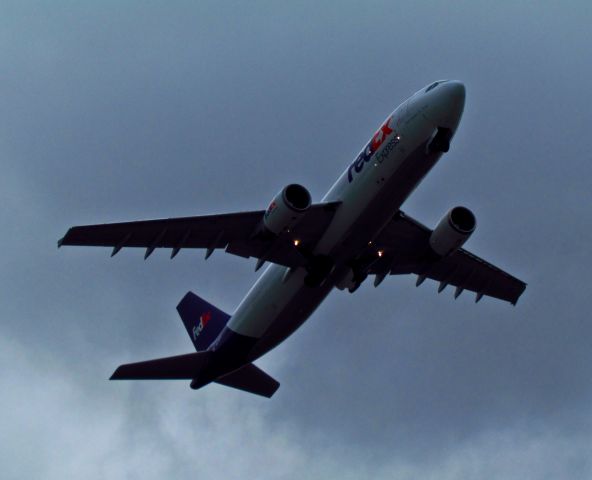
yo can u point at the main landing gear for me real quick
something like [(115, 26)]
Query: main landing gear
[(319, 269), (352, 280)]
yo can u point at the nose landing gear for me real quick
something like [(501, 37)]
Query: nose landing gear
[(440, 142)]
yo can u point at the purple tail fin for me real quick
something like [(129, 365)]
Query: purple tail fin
[(202, 320)]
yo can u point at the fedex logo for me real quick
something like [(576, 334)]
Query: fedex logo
[(203, 321), (370, 149)]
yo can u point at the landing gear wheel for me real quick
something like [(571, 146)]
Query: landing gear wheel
[(320, 268), (441, 141)]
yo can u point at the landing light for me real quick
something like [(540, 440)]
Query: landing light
[(380, 253), (296, 243)]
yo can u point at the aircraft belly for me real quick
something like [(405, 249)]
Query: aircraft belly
[(266, 299), (274, 308), (295, 313), (378, 191), (379, 212), (351, 237)]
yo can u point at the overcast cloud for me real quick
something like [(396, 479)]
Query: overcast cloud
[(113, 111)]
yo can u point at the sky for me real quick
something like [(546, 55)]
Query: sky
[(115, 111)]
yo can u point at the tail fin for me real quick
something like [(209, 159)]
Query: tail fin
[(202, 320)]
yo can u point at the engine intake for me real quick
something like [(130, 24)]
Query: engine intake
[(452, 231), (287, 208)]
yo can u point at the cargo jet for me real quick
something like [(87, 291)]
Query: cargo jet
[(357, 230)]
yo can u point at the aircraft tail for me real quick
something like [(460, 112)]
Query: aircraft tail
[(202, 320)]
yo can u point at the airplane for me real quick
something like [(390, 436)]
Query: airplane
[(355, 231)]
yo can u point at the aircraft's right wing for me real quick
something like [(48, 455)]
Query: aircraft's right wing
[(236, 232), (405, 242)]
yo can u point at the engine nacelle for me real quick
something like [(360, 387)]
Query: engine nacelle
[(287, 208), (452, 231)]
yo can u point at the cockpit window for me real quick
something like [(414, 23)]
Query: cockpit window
[(432, 86)]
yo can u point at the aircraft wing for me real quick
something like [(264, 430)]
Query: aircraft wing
[(406, 250), (236, 232)]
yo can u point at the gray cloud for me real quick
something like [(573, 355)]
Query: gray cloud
[(117, 112)]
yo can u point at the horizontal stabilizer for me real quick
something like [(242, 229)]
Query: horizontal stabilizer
[(180, 367), (250, 379)]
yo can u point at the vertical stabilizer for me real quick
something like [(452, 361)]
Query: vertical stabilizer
[(202, 320)]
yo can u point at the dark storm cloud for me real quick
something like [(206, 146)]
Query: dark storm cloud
[(114, 112)]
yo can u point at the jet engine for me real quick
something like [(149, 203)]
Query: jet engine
[(452, 231), (287, 208)]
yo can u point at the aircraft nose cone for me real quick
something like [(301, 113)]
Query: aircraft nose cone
[(447, 104), (456, 91)]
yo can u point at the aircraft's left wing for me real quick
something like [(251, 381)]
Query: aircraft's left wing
[(405, 243), (236, 232)]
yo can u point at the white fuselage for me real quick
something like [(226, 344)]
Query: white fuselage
[(371, 190)]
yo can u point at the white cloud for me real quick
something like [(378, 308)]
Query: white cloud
[(54, 428)]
